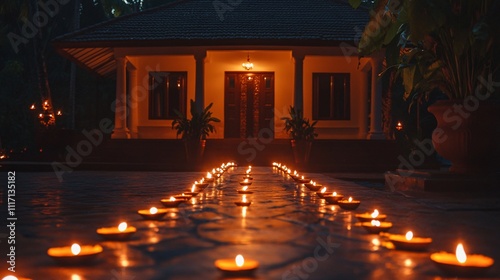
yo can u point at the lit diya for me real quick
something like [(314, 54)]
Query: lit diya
[(10, 277), (323, 193), (245, 190), (461, 264), (209, 178), (153, 213), (122, 232), (75, 254), (171, 202), (301, 179), (375, 215), (376, 226), (409, 242), (246, 182), (237, 267), (333, 198), (243, 202), (349, 204), (183, 197), (313, 186), (201, 185), (193, 191)]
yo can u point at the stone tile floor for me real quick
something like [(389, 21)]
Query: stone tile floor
[(288, 229)]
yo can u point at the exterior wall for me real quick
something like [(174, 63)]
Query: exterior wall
[(217, 62), (345, 129), (153, 129), (279, 62)]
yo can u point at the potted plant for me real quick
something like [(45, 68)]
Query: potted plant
[(302, 134), (446, 46), (194, 131)]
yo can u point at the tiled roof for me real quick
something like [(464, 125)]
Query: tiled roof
[(192, 20), (216, 23)]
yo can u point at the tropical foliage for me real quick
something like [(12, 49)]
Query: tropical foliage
[(443, 44), (198, 127), (297, 127)]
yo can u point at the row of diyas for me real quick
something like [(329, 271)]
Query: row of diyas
[(77, 254), (459, 263)]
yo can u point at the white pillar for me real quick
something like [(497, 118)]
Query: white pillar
[(376, 131), (199, 94), (298, 95), (121, 130), (363, 106), (133, 104)]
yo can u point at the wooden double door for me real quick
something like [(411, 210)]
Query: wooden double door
[(248, 105)]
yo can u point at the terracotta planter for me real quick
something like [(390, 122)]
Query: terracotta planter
[(467, 135), (194, 150), (301, 151)]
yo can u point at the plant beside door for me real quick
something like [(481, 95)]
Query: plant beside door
[(302, 134), (195, 131)]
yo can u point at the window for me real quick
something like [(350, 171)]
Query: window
[(167, 93), (331, 96)]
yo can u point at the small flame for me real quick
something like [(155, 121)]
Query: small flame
[(75, 249), (239, 260), (375, 223), (196, 182), (244, 198), (460, 253), (32, 107), (10, 277), (350, 199), (409, 235), (202, 180), (334, 194), (153, 210), (375, 213), (245, 188), (122, 226), (193, 188), (314, 183), (323, 190), (302, 177), (245, 181), (209, 175), (172, 198)]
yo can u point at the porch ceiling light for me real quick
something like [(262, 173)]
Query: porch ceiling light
[(247, 65)]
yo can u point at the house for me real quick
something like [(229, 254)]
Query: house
[(303, 54)]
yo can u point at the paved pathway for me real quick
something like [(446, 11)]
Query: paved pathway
[(290, 231)]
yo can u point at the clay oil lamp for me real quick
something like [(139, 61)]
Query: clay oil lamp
[(349, 204), (238, 267), (122, 232), (171, 202), (243, 202), (75, 254), (409, 242), (376, 226), (375, 215), (152, 213), (461, 263), (333, 198)]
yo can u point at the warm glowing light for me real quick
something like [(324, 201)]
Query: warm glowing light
[(375, 213), (375, 223), (246, 180), (399, 126), (239, 260), (334, 194), (350, 199), (245, 188), (244, 198), (302, 177), (75, 249), (171, 199), (460, 253), (209, 175), (314, 183), (409, 235), (10, 277), (153, 210), (59, 113), (202, 180), (193, 188), (31, 108), (122, 226), (376, 242), (323, 190), (75, 277)]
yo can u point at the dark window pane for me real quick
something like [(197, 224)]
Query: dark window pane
[(331, 96), (167, 93)]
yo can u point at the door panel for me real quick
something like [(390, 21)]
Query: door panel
[(248, 104)]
